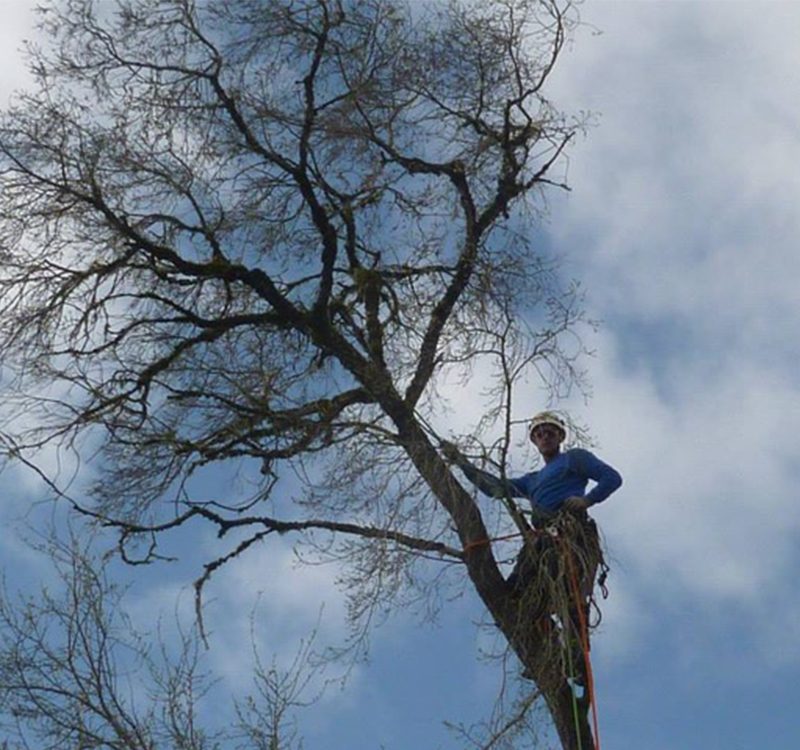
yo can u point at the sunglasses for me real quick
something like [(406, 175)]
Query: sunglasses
[(546, 432)]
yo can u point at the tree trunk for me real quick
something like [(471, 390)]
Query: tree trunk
[(531, 641)]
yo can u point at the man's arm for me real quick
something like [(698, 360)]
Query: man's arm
[(607, 478), (487, 483)]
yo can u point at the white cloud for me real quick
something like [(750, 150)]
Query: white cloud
[(683, 224), (683, 195), (708, 507), (17, 24)]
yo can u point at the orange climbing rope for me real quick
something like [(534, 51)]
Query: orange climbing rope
[(584, 637)]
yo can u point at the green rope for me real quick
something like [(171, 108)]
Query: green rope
[(571, 675), (571, 669)]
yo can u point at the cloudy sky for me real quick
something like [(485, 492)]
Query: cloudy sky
[(682, 224)]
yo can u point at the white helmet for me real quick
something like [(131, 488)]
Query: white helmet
[(547, 417)]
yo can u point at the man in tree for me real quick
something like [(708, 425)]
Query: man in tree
[(560, 485)]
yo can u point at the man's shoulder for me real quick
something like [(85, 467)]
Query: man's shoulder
[(578, 453), (580, 458)]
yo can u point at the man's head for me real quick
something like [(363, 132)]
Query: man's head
[(547, 432)]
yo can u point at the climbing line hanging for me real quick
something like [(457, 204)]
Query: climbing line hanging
[(583, 633), (575, 715)]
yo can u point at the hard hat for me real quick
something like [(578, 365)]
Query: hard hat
[(547, 417)]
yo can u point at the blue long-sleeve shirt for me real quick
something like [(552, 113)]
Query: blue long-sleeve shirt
[(567, 475)]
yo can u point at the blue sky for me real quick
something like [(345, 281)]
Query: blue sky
[(682, 224)]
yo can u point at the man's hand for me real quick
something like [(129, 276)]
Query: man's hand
[(576, 504), (451, 452)]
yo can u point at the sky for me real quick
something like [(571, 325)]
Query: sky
[(682, 225)]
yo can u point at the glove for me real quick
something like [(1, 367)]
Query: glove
[(451, 452)]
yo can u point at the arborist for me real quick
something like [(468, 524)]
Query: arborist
[(559, 485)]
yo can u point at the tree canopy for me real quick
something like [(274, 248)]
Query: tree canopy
[(267, 234)]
